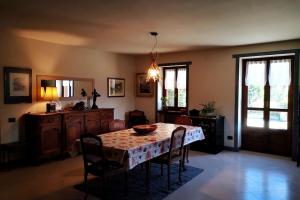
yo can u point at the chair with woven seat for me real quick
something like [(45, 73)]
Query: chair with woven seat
[(175, 153), (95, 162), (137, 117), (116, 125), (185, 120)]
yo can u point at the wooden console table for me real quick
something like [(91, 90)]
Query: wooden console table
[(213, 129), (53, 134)]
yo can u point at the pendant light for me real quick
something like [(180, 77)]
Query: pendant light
[(153, 73)]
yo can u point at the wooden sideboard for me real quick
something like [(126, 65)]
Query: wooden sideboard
[(54, 134), (213, 129)]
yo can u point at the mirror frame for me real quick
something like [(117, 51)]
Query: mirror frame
[(39, 78)]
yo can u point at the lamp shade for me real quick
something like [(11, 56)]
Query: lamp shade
[(153, 73), (42, 92), (51, 94)]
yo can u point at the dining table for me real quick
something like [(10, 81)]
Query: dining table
[(131, 149)]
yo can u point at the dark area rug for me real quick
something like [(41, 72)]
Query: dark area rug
[(114, 187)]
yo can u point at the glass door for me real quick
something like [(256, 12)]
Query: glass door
[(267, 106)]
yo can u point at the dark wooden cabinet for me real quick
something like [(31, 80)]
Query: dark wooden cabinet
[(93, 123), (213, 129), (50, 137), (44, 135), (105, 118), (73, 127), (53, 134), (169, 116)]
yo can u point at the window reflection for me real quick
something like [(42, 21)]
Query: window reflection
[(266, 184)]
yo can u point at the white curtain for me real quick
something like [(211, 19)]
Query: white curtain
[(280, 72), (170, 79), (181, 79), (256, 73)]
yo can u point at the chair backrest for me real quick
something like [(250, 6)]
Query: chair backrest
[(184, 120), (116, 125), (136, 117), (92, 149), (177, 141)]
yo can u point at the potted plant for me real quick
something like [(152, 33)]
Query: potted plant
[(208, 108), (164, 101)]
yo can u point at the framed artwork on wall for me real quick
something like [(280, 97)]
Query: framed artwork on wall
[(17, 85), (115, 87), (143, 88)]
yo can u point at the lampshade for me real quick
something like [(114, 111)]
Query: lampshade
[(42, 92), (153, 73), (51, 94)]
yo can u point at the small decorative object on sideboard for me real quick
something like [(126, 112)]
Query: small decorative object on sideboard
[(83, 93), (79, 106), (95, 95), (208, 108)]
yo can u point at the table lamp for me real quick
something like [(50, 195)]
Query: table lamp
[(50, 95)]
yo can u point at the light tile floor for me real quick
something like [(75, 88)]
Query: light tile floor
[(228, 175)]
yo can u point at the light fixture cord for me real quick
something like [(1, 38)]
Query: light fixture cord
[(154, 54)]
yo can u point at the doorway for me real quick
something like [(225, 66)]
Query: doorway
[(267, 95)]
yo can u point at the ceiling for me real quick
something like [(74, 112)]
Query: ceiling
[(123, 26)]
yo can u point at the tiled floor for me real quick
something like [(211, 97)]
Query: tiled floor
[(227, 175)]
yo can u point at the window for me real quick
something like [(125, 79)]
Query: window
[(175, 90), (267, 86)]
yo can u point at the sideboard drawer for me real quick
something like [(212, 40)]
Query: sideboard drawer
[(107, 114), (50, 119)]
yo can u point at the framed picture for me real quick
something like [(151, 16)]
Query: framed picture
[(17, 85), (143, 88), (115, 87)]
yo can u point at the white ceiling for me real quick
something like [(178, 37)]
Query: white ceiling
[(122, 26)]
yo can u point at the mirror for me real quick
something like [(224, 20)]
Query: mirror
[(66, 87)]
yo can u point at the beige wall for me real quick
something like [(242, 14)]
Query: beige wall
[(212, 77), (51, 59)]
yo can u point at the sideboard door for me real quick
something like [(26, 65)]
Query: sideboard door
[(51, 139), (92, 123), (106, 116), (74, 127)]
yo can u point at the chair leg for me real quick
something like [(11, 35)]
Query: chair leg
[(147, 175), (86, 183), (161, 169), (180, 168), (187, 153), (126, 184), (183, 158), (169, 175)]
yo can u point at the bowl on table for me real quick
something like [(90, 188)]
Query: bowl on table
[(145, 128)]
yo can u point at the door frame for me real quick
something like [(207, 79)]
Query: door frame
[(265, 132), (238, 92)]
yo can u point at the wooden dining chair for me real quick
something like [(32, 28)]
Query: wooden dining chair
[(185, 120), (116, 125), (175, 153), (137, 117), (95, 162)]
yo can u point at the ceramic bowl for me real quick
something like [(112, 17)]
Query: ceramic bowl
[(143, 129)]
